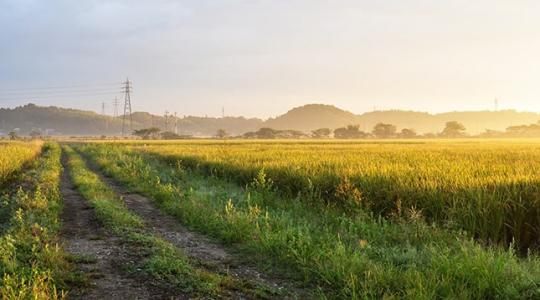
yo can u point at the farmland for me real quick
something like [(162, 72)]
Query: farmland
[(436, 219), (314, 219), (489, 189), (14, 155), (31, 263)]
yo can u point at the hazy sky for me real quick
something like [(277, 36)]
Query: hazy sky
[(260, 58)]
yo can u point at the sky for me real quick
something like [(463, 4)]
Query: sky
[(260, 58)]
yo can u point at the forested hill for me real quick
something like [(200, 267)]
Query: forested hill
[(65, 121)]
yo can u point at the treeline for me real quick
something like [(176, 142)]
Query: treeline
[(518, 131), (452, 129)]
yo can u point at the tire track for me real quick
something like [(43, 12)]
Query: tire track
[(83, 236), (198, 247)]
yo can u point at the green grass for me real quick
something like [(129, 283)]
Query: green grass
[(161, 260), (32, 266), (347, 254)]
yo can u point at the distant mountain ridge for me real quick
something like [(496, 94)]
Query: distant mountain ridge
[(66, 121)]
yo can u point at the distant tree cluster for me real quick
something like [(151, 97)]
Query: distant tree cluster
[(156, 133), (517, 131), (452, 129), (349, 132), (270, 133)]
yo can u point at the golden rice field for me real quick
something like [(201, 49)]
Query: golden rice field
[(371, 219), (355, 219), (489, 188), (13, 155)]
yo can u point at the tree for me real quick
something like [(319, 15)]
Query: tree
[(383, 131), (407, 133), (35, 133), (221, 133), (266, 133), (13, 135), (349, 132), (290, 134), (168, 135), (453, 129), (146, 133), (269, 133), (321, 133)]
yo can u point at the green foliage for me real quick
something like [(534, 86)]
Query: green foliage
[(147, 133)]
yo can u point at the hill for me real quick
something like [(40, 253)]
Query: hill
[(312, 116), (65, 121)]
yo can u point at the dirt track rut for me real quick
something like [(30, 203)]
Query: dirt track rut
[(198, 247), (83, 236)]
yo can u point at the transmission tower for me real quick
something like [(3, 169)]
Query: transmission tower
[(115, 104), (127, 88), (496, 102), (103, 108)]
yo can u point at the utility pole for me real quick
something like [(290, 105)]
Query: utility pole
[(175, 124), (127, 88), (115, 104), (223, 112)]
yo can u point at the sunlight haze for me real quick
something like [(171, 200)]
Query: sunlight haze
[(261, 58)]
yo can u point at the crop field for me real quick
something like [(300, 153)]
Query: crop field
[(489, 189), (13, 155), (369, 219), (32, 266), (443, 219)]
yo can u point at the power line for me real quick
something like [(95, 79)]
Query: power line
[(49, 97), (59, 87), (59, 92)]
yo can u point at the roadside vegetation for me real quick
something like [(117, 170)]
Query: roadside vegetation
[(32, 265), (159, 259), (367, 221)]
